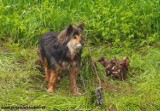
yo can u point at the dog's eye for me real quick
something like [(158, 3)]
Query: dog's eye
[(75, 37)]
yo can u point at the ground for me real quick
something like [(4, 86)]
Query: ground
[(22, 84)]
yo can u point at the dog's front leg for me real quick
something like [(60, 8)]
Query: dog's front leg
[(73, 79), (52, 81)]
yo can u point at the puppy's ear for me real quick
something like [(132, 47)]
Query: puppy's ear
[(81, 26), (125, 62), (101, 59), (69, 29)]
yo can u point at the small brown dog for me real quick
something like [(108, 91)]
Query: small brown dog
[(116, 68), (58, 51)]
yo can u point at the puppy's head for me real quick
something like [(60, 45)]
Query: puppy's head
[(101, 60), (125, 62), (75, 37)]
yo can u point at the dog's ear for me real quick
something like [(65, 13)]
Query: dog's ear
[(81, 26), (101, 59), (125, 62), (126, 59), (69, 29)]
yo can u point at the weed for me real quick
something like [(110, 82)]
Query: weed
[(23, 85)]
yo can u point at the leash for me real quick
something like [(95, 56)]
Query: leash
[(99, 93), (94, 67)]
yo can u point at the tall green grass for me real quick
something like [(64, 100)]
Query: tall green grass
[(23, 85), (120, 22)]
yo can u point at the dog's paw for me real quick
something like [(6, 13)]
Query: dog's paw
[(50, 90), (77, 93)]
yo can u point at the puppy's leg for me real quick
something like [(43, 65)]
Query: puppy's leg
[(124, 74), (47, 71), (39, 61), (47, 74), (53, 79), (73, 78)]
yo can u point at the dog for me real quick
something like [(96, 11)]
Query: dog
[(59, 51), (116, 68)]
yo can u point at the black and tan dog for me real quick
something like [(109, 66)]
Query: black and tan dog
[(58, 51)]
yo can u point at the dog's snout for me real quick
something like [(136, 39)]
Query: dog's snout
[(82, 43), (79, 45)]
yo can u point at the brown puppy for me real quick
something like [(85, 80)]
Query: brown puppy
[(116, 68)]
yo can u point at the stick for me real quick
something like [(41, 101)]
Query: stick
[(94, 66)]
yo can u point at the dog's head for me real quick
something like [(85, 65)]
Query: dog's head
[(125, 62), (75, 37), (107, 64)]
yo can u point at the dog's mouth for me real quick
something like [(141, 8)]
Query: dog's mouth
[(75, 48), (78, 46)]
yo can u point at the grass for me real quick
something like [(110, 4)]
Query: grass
[(128, 27), (115, 21), (23, 85)]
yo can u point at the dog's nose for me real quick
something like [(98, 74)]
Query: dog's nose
[(82, 43)]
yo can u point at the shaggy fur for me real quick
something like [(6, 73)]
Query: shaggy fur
[(58, 51)]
